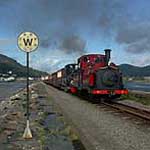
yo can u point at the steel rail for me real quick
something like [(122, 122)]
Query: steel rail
[(144, 114)]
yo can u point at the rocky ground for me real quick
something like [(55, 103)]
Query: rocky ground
[(49, 130)]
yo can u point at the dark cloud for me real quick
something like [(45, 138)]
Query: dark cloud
[(62, 24), (45, 43), (106, 13), (131, 33), (111, 15), (116, 21), (54, 20), (73, 44), (139, 46), (136, 37)]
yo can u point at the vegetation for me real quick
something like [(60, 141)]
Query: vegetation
[(133, 97), (42, 136), (1, 129), (7, 64), (134, 71)]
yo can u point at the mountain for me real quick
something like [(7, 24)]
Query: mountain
[(134, 71), (8, 64)]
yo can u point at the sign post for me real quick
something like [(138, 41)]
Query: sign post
[(28, 42)]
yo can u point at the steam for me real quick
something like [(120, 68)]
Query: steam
[(58, 22)]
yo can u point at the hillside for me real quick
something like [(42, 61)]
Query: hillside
[(134, 71), (7, 64)]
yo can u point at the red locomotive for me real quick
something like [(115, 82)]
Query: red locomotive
[(92, 74)]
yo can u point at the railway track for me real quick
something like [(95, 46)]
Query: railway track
[(141, 113)]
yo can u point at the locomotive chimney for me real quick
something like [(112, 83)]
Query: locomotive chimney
[(107, 55)]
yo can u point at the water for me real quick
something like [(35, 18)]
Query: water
[(139, 86), (7, 89)]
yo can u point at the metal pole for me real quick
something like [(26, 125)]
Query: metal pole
[(27, 133), (28, 86)]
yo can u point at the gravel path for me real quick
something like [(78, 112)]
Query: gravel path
[(101, 129)]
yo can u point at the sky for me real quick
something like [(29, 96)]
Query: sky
[(68, 29)]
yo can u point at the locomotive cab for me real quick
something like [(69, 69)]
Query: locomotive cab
[(88, 65), (93, 61)]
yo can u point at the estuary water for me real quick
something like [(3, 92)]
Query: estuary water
[(7, 89), (139, 86)]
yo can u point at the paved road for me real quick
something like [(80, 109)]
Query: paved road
[(99, 128)]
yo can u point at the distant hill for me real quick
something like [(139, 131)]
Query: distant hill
[(134, 71), (7, 64)]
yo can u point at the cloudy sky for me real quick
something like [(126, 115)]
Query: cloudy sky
[(68, 29)]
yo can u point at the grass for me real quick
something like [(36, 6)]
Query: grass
[(42, 133), (2, 129), (133, 97), (42, 136), (66, 131), (69, 132)]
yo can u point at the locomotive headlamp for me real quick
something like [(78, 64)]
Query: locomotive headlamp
[(107, 55)]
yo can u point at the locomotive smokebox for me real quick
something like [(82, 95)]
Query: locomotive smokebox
[(107, 55)]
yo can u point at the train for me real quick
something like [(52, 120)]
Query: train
[(93, 74)]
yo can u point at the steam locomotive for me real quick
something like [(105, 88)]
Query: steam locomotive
[(93, 74)]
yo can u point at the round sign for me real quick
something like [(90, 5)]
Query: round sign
[(28, 41)]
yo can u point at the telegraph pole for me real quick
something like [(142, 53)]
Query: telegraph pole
[(28, 42)]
